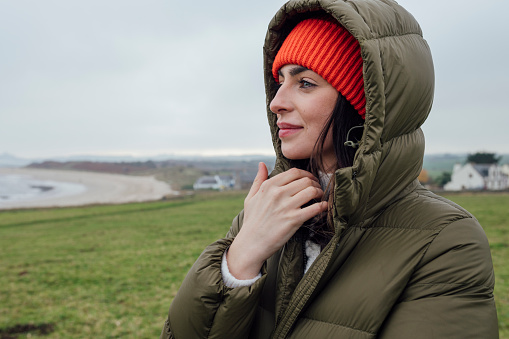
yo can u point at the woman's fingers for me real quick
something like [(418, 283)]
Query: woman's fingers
[(291, 189), (307, 194), (304, 197), (313, 210), (292, 174), (273, 212), (286, 184), (261, 176), (298, 185)]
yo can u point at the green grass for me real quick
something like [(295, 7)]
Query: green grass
[(112, 271), (104, 271)]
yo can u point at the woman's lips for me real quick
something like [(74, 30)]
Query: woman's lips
[(287, 129)]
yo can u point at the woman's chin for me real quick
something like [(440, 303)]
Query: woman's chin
[(295, 155)]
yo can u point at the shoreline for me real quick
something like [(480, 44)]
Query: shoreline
[(100, 188)]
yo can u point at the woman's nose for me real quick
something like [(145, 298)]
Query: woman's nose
[(280, 103)]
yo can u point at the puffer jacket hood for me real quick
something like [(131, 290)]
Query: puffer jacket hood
[(399, 86)]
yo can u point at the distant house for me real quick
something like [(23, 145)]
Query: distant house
[(477, 177), (216, 182), (505, 169)]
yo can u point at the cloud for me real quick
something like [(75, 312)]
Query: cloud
[(167, 76)]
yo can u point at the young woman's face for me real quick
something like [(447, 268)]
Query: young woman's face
[(303, 104)]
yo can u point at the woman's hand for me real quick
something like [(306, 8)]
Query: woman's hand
[(272, 214)]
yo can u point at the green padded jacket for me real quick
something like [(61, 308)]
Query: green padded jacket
[(403, 263)]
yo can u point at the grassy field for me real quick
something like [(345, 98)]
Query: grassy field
[(111, 271)]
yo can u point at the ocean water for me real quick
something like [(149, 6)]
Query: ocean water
[(17, 188)]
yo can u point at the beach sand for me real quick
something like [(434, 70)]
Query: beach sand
[(101, 188)]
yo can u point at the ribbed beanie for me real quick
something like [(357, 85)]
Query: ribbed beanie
[(327, 48)]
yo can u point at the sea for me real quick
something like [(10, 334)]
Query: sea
[(17, 188)]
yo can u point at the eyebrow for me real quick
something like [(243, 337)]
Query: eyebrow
[(294, 71)]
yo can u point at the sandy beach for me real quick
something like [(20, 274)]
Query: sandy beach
[(95, 188)]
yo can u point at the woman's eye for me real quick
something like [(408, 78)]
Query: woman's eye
[(306, 84)]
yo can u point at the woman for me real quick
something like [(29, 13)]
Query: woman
[(341, 241)]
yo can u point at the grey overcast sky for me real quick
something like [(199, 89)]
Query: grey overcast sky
[(125, 77)]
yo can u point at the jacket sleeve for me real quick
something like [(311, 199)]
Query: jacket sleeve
[(450, 295), (206, 308)]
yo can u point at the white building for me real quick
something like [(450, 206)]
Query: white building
[(477, 177), (505, 169), (216, 182)]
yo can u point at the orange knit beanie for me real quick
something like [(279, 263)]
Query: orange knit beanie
[(328, 49)]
